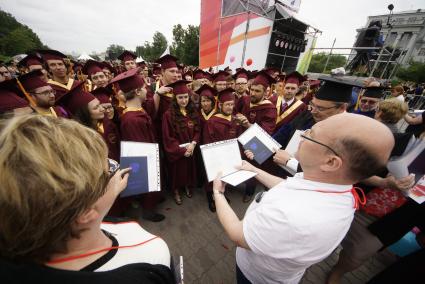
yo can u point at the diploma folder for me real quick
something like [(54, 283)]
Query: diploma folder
[(143, 158), (225, 157), (259, 142), (138, 178)]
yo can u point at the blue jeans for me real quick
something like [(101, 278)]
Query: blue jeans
[(240, 277)]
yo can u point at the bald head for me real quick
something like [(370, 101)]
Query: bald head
[(364, 143)]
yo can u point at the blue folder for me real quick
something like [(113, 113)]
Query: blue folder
[(138, 180)]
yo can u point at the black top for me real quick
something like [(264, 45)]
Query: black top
[(11, 272), (145, 273)]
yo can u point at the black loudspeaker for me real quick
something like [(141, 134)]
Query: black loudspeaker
[(287, 42)]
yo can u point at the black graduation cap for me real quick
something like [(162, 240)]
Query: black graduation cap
[(374, 92), (336, 89)]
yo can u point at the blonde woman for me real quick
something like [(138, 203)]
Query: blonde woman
[(390, 112), (56, 188)]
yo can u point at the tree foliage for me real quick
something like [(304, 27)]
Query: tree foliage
[(113, 51), (185, 44), (150, 51), (16, 38), (414, 72), (318, 62)]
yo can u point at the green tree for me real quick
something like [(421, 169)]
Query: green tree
[(185, 44), (414, 72), (16, 38), (318, 62), (113, 51), (152, 51)]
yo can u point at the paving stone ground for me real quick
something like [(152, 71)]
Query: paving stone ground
[(192, 231)]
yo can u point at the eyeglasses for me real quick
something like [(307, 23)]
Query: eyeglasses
[(320, 108), (240, 84), (307, 132), (46, 93), (369, 102)]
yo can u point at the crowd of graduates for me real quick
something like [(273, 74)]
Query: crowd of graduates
[(177, 106), (181, 107)]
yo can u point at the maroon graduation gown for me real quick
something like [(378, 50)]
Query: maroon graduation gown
[(218, 128), (136, 125), (264, 114), (182, 170), (62, 89)]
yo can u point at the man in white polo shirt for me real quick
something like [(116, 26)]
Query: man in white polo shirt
[(301, 220)]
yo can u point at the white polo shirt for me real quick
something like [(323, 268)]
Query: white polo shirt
[(292, 227)]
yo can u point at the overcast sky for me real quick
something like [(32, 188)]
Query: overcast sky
[(92, 25)]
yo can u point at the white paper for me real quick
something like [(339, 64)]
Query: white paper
[(398, 167), (238, 177), (223, 156), (149, 150), (256, 131), (292, 146)]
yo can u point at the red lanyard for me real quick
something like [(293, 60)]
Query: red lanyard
[(69, 258), (357, 199)]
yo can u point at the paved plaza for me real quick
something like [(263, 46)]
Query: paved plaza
[(192, 231)]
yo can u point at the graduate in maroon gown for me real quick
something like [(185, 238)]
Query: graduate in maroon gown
[(136, 125), (181, 133), (221, 126), (257, 110), (208, 102), (287, 106), (86, 108), (60, 80), (42, 94), (241, 88), (163, 95)]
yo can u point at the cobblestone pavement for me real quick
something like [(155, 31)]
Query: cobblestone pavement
[(192, 231)]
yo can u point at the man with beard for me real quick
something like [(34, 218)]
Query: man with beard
[(287, 106), (255, 109), (42, 94), (258, 110), (60, 80)]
